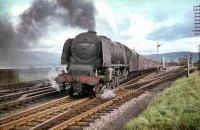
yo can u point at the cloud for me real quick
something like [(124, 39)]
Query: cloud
[(53, 41), (105, 17), (182, 44), (173, 32), (136, 24), (179, 29), (135, 28), (17, 10)]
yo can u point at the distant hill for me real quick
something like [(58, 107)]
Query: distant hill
[(46, 58), (53, 59), (31, 59), (174, 56)]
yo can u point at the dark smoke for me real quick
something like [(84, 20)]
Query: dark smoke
[(35, 20), (10, 43), (6, 31), (79, 13), (75, 13)]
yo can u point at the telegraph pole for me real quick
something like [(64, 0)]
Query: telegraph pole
[(199, 60), (196, 30), (188, 65)]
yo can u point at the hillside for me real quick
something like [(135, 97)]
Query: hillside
[(174, 56)]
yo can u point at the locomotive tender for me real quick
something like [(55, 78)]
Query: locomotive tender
[(95, 63)]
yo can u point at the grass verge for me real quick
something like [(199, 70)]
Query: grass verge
[(32, 77), (177, 107)]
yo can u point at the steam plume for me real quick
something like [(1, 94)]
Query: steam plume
[(107, 93), (51, 76)]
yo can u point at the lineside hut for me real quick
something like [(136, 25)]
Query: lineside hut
[(8, 76)]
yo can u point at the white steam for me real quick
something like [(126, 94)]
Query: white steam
[(51, 76), (107, 93)]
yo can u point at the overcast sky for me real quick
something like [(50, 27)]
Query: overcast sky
[(139, 24)]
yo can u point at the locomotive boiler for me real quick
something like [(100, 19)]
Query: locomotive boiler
[(95, 63)]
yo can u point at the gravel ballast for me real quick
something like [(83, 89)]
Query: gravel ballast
[(119, 117)]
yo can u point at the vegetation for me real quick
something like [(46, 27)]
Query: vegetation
[(177, 108), (197, 64), (32, 77)]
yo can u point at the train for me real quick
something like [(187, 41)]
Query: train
[(95, 63)]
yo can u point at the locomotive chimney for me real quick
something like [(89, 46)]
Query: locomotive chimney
[(93, 32)]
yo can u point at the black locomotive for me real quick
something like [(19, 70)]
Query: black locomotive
[(95, 63)]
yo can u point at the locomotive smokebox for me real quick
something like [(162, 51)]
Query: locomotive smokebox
[(86, 47)]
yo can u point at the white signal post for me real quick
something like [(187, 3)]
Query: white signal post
[(158, 45)]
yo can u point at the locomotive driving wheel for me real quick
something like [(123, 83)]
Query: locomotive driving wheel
[(92, 93), (71, 91), (63, 86)]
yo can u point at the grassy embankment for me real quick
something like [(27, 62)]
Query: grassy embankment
[(177, 107), (32, 77)]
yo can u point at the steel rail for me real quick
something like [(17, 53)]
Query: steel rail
[(40, 117), (27, 100), (36, 109), (18, 94), (19, 85)]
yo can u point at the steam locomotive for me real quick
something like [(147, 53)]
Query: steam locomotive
[(96, 62)]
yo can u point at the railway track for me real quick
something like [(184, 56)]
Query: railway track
[(25, 101), (26, 93), (41, 113), (83, 119), (65, 114), (34, 110), (9, 88)]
